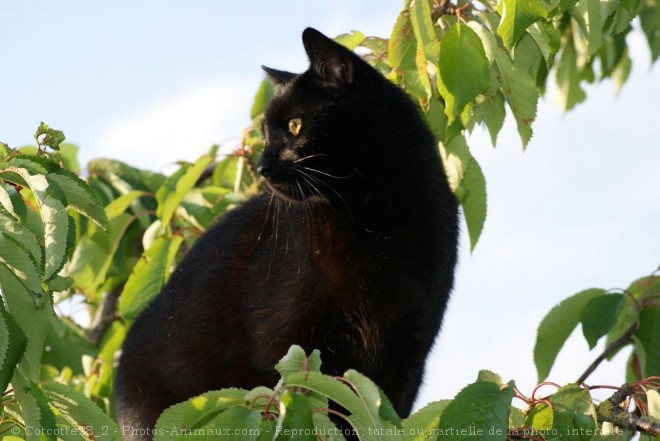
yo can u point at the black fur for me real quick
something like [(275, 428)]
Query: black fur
[(350, 249)]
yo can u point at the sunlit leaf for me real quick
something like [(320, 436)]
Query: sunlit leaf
[(557, 326), (148, 277), (648, 335), (12, 346), (479, 412), (77, 414), (599, 315), (463, 68), (517, 16)]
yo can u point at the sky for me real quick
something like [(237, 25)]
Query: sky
[(156, 81)]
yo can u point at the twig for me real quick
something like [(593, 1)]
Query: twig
[(104, 317), (610, 411), (609, 350)]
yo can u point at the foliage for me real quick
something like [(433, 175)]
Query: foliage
[(109, 242)]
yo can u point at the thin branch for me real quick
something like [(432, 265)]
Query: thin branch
[(609, 350), (105, 315), (611, 411)]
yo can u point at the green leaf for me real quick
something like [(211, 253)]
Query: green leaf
[(547, 38), (474, 201), (110, 344), (80, 197), (148, 277), (653, 404), (373, 398), (51, 137), (217, 409), (175, 188), (12, 201), (490, 377), (67, 345), (587, 14), (264, 94), (296, 419), (428, 48), (628, 314), (52, 212), (334, 390), (468, 184), (517, 86), (120, 205), (268, 429), (516, 417), (33, 321), (540, 418), (463, 68), (12, 347), (599, 315), (568, 78), (402, 45), (437, 118), (34, 406), (556, 327), (296, 360), (648, 336), (574, 415), (95, 253), (5, 150), (517, 16), (327, 427), (479, 412), (611, 53), (622, 71), (19, 261), (491, 106), (78, 415), (350, 40), (528, 57), (69, 156), (24, 235), (649, 17), (423, 424)]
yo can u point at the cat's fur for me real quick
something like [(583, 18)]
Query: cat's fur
[(350, 249)]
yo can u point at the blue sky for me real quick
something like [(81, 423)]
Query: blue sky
[(151, 82)]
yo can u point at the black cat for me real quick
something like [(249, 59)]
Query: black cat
[(350, 249)]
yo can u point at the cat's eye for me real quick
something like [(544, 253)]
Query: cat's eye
[(295, 124)]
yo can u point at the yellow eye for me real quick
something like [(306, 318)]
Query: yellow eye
[(295, 124)]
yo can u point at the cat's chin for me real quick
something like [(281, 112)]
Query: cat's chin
[(285, 191), (290, 193)]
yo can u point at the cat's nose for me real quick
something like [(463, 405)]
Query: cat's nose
[(264, 170), (265, 166)]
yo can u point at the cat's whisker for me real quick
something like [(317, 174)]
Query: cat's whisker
[(307, 208), (266, 217), (331, 188), (308, 179), (314, 189), (326, 174), (310, 157)]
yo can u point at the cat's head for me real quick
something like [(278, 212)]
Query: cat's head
[(323, 126)]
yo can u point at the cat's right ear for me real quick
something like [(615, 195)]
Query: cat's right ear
[(278, 77), (330, 60)]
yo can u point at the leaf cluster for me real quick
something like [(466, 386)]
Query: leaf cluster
[(107, 240)]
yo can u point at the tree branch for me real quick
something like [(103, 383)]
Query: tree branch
[(611, 411), (104, 317), (609, 350)]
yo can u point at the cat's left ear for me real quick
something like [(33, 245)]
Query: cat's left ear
[(329, 60), (278, 77)]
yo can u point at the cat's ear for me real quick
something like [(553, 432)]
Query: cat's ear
[(330, 60), (278, 77)]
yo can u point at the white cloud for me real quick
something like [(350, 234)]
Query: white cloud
[(182, 125)]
